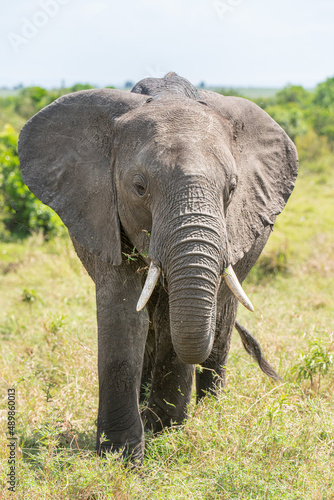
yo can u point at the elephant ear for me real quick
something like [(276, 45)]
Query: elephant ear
[(267, 166), (66, 155)]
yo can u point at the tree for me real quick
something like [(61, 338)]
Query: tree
[(291, 118), (20, 211), (30, 100), (293, 94), (80, 86), (324, 93)]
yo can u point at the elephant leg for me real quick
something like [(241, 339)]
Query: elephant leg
[(213, 373), (149, 356), (150, 349), (172, 380), (121, 343)]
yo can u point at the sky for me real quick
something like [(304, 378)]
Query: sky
[(231, 43)]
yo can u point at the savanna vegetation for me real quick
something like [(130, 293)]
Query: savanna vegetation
[(259, 439)]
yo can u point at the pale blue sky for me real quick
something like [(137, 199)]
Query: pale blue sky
[(223, 42)]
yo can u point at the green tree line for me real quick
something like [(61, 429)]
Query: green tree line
[(306, 116)]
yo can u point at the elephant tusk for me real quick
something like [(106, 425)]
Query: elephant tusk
[(151, 281), (233, 283)]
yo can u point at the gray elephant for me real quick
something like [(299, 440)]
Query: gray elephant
[(194, 181)]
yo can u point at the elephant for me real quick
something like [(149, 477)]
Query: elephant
[(169, 194)]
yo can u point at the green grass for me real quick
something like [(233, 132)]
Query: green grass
[(257, 440)]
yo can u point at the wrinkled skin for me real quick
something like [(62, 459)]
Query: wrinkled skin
[(194, 181)]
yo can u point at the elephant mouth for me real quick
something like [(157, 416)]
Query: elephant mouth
[(229, 276)]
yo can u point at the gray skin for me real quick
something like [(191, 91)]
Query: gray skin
[(195, 178)]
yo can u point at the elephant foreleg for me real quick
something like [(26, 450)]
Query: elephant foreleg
[(121, 343), (172, 380), (149, 357)]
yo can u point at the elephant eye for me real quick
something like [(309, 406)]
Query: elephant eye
[(231, 191), (232, 187), (140, 185)]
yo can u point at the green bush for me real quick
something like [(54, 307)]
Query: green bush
[(311, 147), (324, 93), (315, 363), (293, 94), (30, 100), (323, 121), (290, 117), (21, 212)]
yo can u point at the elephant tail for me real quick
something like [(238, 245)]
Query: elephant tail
[(254, 349)]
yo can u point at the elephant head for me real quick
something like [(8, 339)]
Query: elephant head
[(194, 177)]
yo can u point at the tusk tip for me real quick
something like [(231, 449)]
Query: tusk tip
[(235, 287), (246, 303), (151, 281)]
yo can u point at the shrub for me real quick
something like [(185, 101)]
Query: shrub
[(20, 211), (315, 363), (324, 93), (290, 117), (293, 93), (311, 146)]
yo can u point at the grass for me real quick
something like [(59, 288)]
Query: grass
[(257, 440)]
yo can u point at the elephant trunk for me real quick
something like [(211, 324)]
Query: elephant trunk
[(192, 252), (192, 318), (193, 269)]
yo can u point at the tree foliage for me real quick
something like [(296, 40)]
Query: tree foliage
[(290, 117), (20, 211), (324, 93), (302, 112), (293, 94)]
